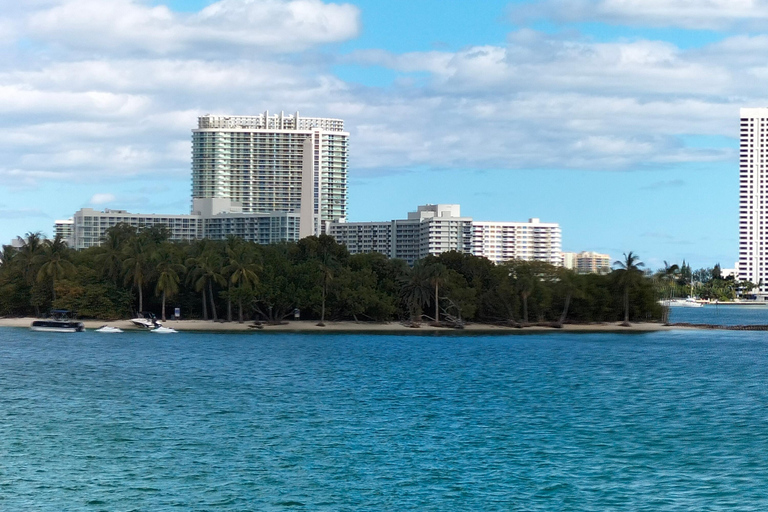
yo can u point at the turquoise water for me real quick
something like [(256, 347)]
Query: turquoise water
[(590, 422), (721, 315)]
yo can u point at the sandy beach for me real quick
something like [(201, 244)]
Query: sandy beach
[(368, 327)]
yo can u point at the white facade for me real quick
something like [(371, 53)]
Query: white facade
[(531, 241), (753, 207), (431, 229), (274, 163), (434, 229), (64, 229), (90, 226)]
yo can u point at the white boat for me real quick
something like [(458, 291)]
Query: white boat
[(164, 330), (59, 322), (109, 329), (146, 320), (689, 302)]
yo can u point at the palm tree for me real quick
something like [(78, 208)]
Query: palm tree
[(569, 282), (54, 264), (111, 252), (628, 274), (668, 278), (205, 271), (416, 289), (437, 276), (167, 275), (242, 271), (31, 247), (136, 266)]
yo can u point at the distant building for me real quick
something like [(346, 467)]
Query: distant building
[(587, 262), (531, 241), (90, 226), (64, 228), (211, 219), (274, 163), (431, 229), (434, 229), (753, 199)]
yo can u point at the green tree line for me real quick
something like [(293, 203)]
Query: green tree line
[(233, 280)]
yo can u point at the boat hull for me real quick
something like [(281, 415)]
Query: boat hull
[(56, 326)]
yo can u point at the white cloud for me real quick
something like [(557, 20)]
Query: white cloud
[(102, 198), (125, 26), (691, 14)]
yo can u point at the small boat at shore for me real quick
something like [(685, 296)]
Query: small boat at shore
[(59, 322), (164, 330), (109, 329), (146, 320)]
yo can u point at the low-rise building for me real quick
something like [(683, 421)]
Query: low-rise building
[(431, 229), (435, 229), (587, 262), (531, 241), (215, 219)]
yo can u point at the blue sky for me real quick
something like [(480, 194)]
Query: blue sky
[(617, 119)]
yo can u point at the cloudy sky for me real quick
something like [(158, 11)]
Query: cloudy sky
[(616, 118)]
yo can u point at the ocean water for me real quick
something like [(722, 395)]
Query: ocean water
[(721, 315), (590, 422)]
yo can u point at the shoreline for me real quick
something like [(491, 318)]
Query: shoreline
[(306, 326)]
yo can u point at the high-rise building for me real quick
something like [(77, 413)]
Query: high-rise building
[(274, 163), (753, 198)]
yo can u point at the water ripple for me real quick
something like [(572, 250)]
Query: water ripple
[(665, 421)]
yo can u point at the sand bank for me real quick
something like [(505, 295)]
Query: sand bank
[(369, 327)]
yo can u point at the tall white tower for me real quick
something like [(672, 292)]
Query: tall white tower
[(277, 163), (753, 197)]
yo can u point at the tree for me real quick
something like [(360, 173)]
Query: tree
[(206, 270), (628, 274), (167, 270), (437, 275), (111, 253), (416, 289), (570, 286), (136, 265), (54, 264), (242, 270)]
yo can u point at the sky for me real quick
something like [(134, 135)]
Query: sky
[(618, 119)]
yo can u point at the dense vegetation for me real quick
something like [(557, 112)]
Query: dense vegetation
[(236, 280)]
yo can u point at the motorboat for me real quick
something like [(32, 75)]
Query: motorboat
[(109, 329), (59, 322), (689, 302), (164, 330), (146, 320)]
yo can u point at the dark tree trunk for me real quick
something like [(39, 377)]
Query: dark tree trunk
[(213, 304), (229, 303), (565, 310), (205, 305)]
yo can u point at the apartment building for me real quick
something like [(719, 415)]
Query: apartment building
[(434, 229), (587, 262), (210, 219), (274, 163), (753, 199), (530, 241), (431, 229)]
